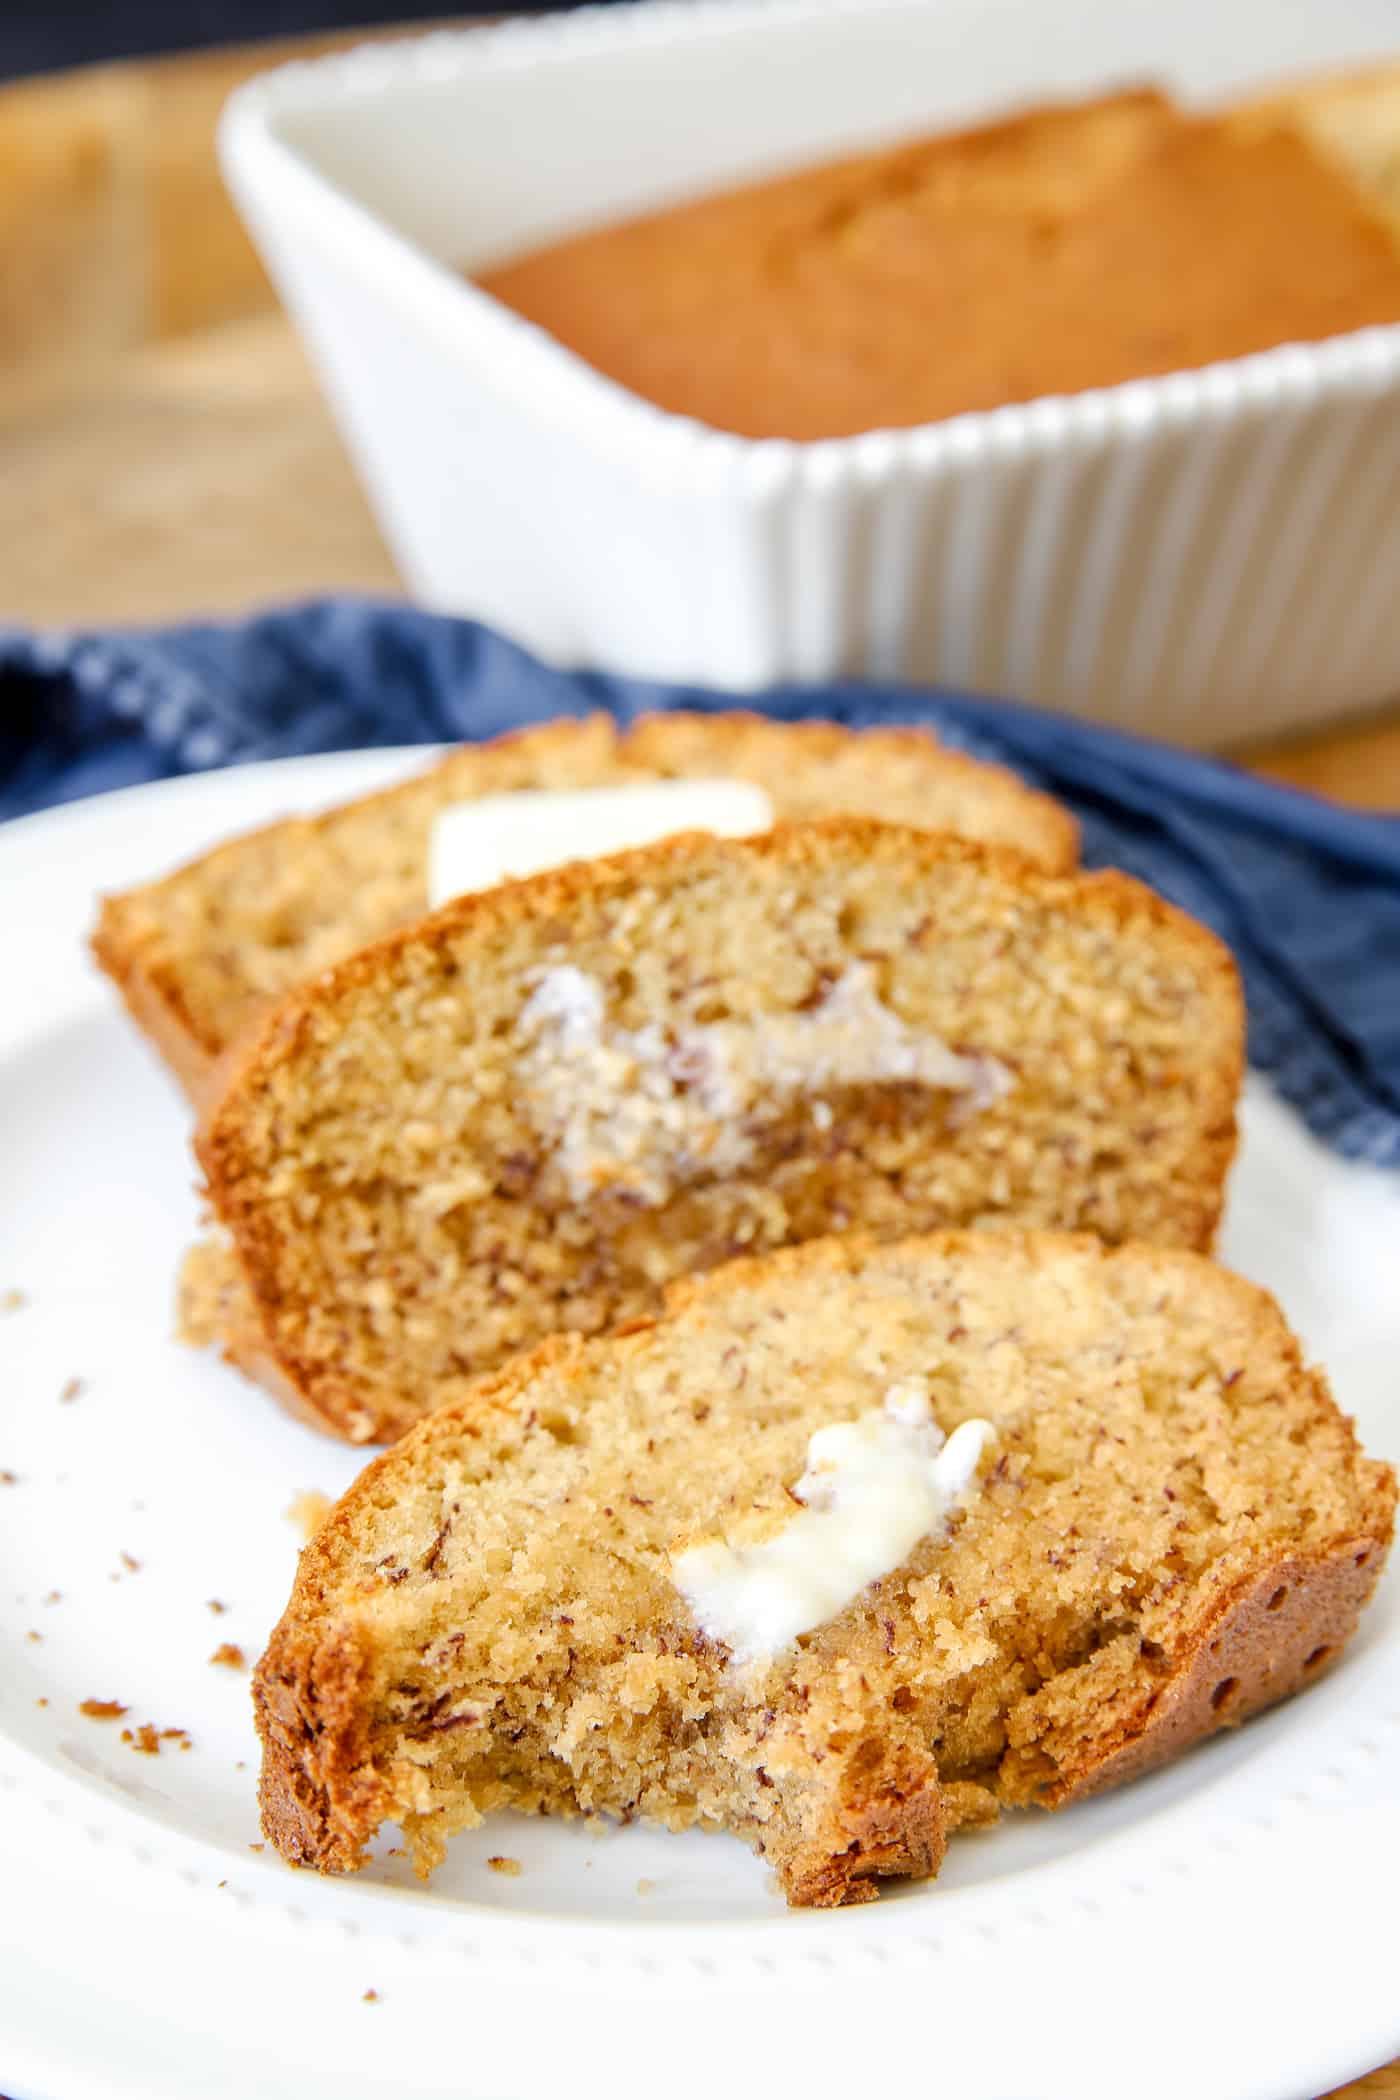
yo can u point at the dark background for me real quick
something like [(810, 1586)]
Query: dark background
[(39, 35)]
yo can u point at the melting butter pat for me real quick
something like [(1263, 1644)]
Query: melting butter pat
[(649, 1109), (872, 1490), (499, 838)]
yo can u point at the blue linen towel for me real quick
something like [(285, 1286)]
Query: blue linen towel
[(1305, 894)]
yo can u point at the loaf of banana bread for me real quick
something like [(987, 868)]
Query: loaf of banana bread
[(1057, 250)]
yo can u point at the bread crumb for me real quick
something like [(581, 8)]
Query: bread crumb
[(370, 1998), (240, 1765), (102, 1709), (134, 1566), (7, 1478), (223, 1884), (33, 1636), (12, 1301), (308, 1512), (148, 1738), (258, 1847), (54, 1597), (41, 1702), (215, 1605), (645, 1887), (502, 1863), (231, 1655), (72, 1387)]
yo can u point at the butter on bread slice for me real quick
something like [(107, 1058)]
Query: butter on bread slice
[(1173, 1528)]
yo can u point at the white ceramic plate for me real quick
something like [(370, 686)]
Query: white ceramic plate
[(1225, 1928)]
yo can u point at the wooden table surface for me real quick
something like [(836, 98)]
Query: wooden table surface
[(191, 468)]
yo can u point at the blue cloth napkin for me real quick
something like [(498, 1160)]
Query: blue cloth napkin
[(1306, 895)]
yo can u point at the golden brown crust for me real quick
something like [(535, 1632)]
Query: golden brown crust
[(150, 990), (197, 966), (889, 1824), (1259, 1621), (235, 1175), (320, 1796), (216, 1311), (801, 763), (1267, 1635)]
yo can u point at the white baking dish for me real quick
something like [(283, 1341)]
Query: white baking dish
[(1207, 556)]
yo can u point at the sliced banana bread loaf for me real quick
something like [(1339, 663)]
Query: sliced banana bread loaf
[(200, 954), (534, 1109), (1170, 1526)]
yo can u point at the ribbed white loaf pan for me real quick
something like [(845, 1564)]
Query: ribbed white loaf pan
[(1208, 556)]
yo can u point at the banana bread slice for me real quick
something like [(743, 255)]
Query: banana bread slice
[(200, 954), (532, 1110), (1172, 1527)]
